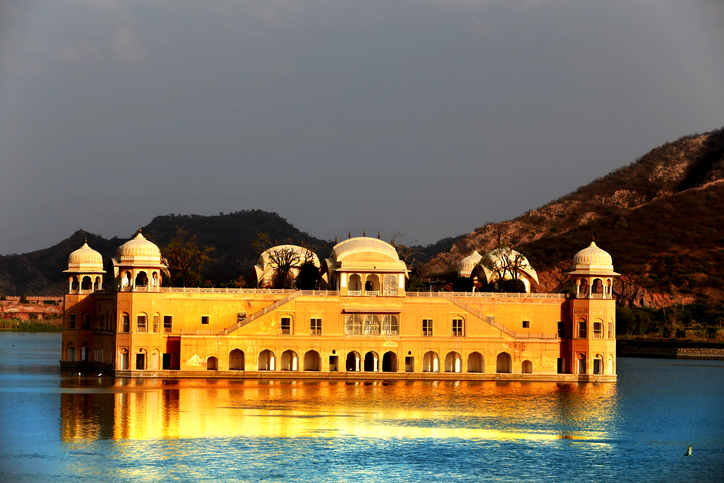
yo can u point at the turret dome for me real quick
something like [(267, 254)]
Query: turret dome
[(592, 258), (138, 250), (467, 264), (85, 259)]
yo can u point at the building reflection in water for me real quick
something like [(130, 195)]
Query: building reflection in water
[(124, 409)]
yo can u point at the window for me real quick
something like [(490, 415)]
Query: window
[(167, 323), (427, 327), (598, 330), (457, 327), (141, 323), (315, 326), (526, 324), (240, 316), (86, 321), (71, 320), (125, 323), (353, 325), (561, 330), (390, 325), (205, 319), (610, 330), (582, 329), (286, 325), (155, 323)]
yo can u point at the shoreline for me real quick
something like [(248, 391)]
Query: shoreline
[(670, 349)]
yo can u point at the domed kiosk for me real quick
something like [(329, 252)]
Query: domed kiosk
[(364, 266), (137, 266), (85, 269)]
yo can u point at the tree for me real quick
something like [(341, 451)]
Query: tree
[(506, 265), (407, 253), (308, 276), (185, 258)]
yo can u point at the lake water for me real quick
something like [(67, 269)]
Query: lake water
[(62, 427)]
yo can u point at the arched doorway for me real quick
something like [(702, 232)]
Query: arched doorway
[(354, 287), (504, 363), (453, 362), (527, 367), (389, 362), (212, 364), (236, 360), (311, 361), (266, 360), (289, 361), (141, 280), (372, 361), (430, 362), (598, 364), (475, 362), (352, 363), (372, 285)]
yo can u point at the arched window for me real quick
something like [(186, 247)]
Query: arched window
[(597, 329), (389, 285), (372, 361), (74, 284), (141, 280), (212, 364), (475, 362), (389, 362), (124, 359), (71, 320), (86, 283), (353, 324), (236, 360), (355, 285), (582, 332), (504, 363), (372, 285), (141, 323), (289, 361), (390, 325), (581, 363), (156, 321), (266, 360), (453, 362), (141, 360), (312, 361), (125, 322), (372, 325), (70, 357), (352, 363), (430, 362), (598, 364), (527, 367)]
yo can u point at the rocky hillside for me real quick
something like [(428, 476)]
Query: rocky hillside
[(661, 218)]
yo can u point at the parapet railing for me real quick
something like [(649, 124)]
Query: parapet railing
[(277, 304), (226, 290), (489, 295)]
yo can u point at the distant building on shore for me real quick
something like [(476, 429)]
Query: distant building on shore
[(363, 326)]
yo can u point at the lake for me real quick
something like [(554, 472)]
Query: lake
[(66, 427)]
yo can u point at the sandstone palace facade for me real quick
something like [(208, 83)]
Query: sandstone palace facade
[(365, 326)]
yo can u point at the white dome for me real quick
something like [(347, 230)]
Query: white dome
[(592, 258), (467, 264), (138, 250), (85, 259)]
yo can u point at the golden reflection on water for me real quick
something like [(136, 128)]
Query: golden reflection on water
[(128, 409)]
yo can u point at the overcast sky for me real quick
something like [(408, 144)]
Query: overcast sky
[(424, 117)]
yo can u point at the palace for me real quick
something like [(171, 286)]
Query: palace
[(363, 324)]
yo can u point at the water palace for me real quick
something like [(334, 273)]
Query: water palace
[(363, 326)]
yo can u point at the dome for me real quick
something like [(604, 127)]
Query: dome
[(138, 250), (85, 259), (371, 248), (467, 264), (592, 258)]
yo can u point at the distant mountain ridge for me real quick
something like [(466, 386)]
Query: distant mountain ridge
[(661, 218), (40, 272)]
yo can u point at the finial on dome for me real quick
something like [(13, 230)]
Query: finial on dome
[(335, 240), (364, 232), (349, 235), (379, 235)]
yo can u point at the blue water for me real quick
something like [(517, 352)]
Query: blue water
[(65, 427)]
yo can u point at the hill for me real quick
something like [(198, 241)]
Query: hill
[(40, 272), (660, 218)]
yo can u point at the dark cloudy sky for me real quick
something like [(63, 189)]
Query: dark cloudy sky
[(424, 117)]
